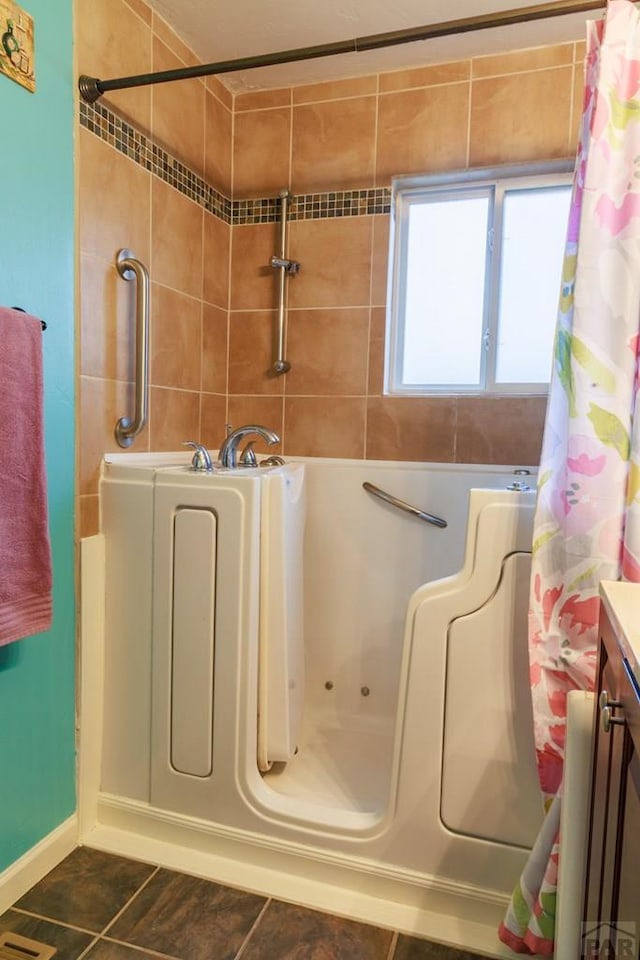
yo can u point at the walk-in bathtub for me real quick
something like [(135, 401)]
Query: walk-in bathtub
[(405, 791)]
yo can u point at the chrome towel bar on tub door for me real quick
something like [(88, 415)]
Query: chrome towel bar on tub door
[(402, 505), (130, 268)]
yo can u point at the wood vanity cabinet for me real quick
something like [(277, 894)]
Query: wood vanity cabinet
[(612, 889)]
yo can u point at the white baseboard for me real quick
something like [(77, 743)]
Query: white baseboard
[(457, 914), (37, 862)]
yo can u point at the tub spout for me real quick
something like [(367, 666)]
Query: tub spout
[(229, 448)]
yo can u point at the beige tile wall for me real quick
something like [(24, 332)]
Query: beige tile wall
[(213, 296), (185, 248), (358, 133)]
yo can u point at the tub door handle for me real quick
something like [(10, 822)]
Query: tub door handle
[(130, 268), (402, 505)]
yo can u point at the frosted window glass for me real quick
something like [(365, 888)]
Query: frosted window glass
[(534, 229), (444, 307)]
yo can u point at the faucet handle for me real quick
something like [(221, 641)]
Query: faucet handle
[(248, 456), (201, 462)]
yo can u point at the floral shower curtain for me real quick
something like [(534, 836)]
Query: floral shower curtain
[(587, 523)]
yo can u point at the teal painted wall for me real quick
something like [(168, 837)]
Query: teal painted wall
[(37, 753)]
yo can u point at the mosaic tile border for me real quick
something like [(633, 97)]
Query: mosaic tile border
[(341, 203), (128, 140), (137, 146)]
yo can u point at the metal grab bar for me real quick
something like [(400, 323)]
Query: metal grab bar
[(285, 266), (402, 505), (131, 268)]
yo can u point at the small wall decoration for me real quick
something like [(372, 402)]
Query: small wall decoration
[(16, 44)]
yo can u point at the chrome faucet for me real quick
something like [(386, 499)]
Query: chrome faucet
[(201, 462), (229, 448)]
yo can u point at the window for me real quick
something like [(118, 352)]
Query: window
[(475, 276)]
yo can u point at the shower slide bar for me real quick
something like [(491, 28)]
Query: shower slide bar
[(286, 267), (91, 88), (403, 505), (130, 268)]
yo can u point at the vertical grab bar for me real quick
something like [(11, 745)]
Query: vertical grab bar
[(129, 268), (285, 267)]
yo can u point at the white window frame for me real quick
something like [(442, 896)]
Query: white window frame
[(491, 182)]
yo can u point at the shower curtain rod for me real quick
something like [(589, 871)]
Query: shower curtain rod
[(91, 88)]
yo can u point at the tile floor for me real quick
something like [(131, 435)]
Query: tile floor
[(99, 906)]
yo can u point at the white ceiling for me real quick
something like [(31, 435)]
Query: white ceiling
[(218, 30)]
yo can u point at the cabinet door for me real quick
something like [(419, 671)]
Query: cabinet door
[(628, 889), (600, 832), (619, 739), (628, 912), (612, 896)]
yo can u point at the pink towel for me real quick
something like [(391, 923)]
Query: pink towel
[(25, 551)]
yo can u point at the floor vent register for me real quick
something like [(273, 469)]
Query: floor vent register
[(15, 947)]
